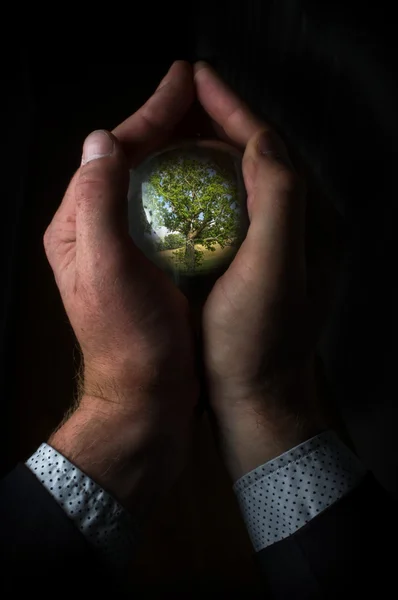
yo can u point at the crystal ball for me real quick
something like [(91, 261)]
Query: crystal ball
[(187, 208)]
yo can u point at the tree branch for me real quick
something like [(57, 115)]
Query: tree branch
[(215, 237), (205, 223)]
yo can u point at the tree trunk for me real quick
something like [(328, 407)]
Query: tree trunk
[(190, 254)]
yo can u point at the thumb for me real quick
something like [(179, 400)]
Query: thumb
[(274, 248), (101, 195)]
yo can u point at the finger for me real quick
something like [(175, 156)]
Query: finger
[(139, 134), (101, 187), (66, 210), (273, 253), (224, 106), (60, 236), (152, 124)]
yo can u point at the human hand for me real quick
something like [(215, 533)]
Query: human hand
[(133, 326), (258, 334)]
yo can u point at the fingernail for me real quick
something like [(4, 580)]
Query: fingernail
[(97, 145), (270, 144), (199, 65), (166, 78), (164, 82)]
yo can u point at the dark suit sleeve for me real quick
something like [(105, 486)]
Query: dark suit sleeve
[(39, 545), (348, 549)]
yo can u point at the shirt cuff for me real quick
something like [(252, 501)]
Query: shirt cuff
[(281, 496), (105, 524)]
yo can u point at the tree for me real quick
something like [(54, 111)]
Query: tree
[(198, 199), (173, 241)]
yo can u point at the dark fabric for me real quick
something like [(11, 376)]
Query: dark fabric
[(39, 545), (344, 550), (347, 549)]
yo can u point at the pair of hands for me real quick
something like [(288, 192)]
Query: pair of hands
[(131, 429)]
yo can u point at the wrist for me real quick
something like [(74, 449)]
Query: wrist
[(140, 392), (127, 456), (262, 422), (249, 439)]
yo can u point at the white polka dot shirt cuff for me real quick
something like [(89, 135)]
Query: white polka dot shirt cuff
[(105, 524), (281, 496)]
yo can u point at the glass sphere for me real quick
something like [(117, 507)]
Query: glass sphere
[(187, 209)]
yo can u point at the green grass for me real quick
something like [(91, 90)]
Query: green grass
[(210, 259)]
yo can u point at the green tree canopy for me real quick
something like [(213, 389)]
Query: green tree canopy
[(173, 241), (196, 198)]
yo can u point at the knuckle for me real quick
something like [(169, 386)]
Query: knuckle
[(90, 184), (89, 175), (284, 178), (94, 183)]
